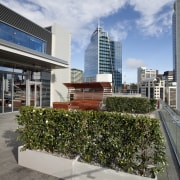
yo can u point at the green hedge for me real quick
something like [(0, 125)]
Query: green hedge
[(114, 140), (130, 105)]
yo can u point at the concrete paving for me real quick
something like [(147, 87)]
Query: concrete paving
[(9, 168)]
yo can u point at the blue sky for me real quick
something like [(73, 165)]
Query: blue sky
[(144, 28)]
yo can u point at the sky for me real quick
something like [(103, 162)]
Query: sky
[(144, 28)]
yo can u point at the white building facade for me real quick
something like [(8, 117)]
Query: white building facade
[(170, 93), (34, 62), (153, 88), (143, 74)]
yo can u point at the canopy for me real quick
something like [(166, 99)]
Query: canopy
[(94, 85)]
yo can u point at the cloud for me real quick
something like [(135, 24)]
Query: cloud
[(129, 73), (133, 63), (80, 16), (151, 22), (119, 31)]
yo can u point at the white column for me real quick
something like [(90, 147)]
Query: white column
[(28, 88)]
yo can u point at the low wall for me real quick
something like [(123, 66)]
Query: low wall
[(69, 169)]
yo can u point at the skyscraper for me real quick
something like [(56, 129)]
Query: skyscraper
[(178, 53), (76, 75), (174, 41), (103, 56)]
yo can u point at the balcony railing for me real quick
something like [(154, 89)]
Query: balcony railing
[(171, 121)]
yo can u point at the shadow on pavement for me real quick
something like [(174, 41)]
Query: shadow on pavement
[(11, 141)]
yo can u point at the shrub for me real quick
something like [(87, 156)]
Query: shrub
[(109, 139), (130, 105)]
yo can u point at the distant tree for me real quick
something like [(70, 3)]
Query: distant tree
[(133, 86)]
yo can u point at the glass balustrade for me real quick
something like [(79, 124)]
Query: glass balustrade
[(171, 119)]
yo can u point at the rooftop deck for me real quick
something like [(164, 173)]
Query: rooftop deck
[(8, 153)]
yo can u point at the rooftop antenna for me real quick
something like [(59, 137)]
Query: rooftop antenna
[(99, 23)]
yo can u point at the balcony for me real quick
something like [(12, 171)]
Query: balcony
[(170, 123)]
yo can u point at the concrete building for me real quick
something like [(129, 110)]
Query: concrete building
[(153, 88), (76, 75), (168, 76), (103, 56), (33, 61), (143, 73), (170, 94), (170, 88)]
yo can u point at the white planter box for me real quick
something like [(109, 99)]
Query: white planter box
[(69, 169)]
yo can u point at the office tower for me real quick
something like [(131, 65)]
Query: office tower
[(76, 75), (103, 56), (174, 42), (178, 53)]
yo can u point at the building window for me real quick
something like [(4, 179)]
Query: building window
[(16, 36)]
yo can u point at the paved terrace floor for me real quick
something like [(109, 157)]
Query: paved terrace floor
[(10, 170)]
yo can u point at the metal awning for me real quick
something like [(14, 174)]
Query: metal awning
[(94, 85), (16, 56)]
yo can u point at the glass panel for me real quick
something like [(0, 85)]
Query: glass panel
[(38, 92), (45, 93), (178, 142), (16, 36), (35, 94), (1, 92), (32, 94), (171, 120), (7, 92), (19, 98)]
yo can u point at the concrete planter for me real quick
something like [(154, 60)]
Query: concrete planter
[(69, 169)]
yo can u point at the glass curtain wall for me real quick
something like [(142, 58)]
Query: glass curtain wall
[(16, 36), (91, 64), (13, 90), (1, 92)]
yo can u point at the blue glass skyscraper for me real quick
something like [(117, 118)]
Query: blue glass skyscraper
[(103, 56), (174, 42)]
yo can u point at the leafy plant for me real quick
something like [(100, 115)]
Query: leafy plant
[(130, 105), (118, 141)]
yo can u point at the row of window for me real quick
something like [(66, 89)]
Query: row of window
[(104, 48), (16, 36)]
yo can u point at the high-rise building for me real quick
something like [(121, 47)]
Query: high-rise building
[(103, 56), (76, 75), (143, 73), (178, 54), (174, 42), (168, 76), (153, 88)]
